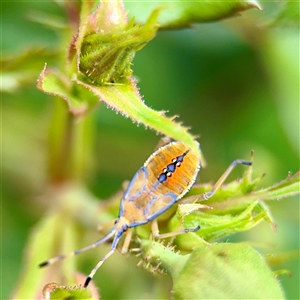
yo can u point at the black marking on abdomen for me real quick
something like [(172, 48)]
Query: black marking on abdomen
[(171, 168)]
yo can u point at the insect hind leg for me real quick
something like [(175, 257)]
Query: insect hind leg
[(224, 177)]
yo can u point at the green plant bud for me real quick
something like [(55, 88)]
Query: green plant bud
[(162, 259), (106, 54), (54, 291)]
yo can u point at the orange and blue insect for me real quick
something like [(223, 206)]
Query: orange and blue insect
[(166, 177)]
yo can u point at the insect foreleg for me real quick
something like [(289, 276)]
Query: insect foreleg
[(127, 240)]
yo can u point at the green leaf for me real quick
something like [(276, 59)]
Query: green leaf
[(216, 226), (21, 70), (180, 14), (284, 189), (236, 196), (125, 99), (55, 83), (226, 271), (219, 271)]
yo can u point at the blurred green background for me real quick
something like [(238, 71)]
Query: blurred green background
[(235, 82)]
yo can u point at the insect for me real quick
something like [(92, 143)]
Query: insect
[(165, 177)]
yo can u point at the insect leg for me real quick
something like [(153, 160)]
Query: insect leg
[(156, 234), (224, 176), (60, 257), (127, 240)]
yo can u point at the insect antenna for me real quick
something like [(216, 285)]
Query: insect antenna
[(104, 258), (63, 256)]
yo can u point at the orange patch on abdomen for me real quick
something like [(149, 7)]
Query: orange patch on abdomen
[(173, 168)]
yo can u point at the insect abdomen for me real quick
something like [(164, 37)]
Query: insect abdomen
[(172, 169)]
